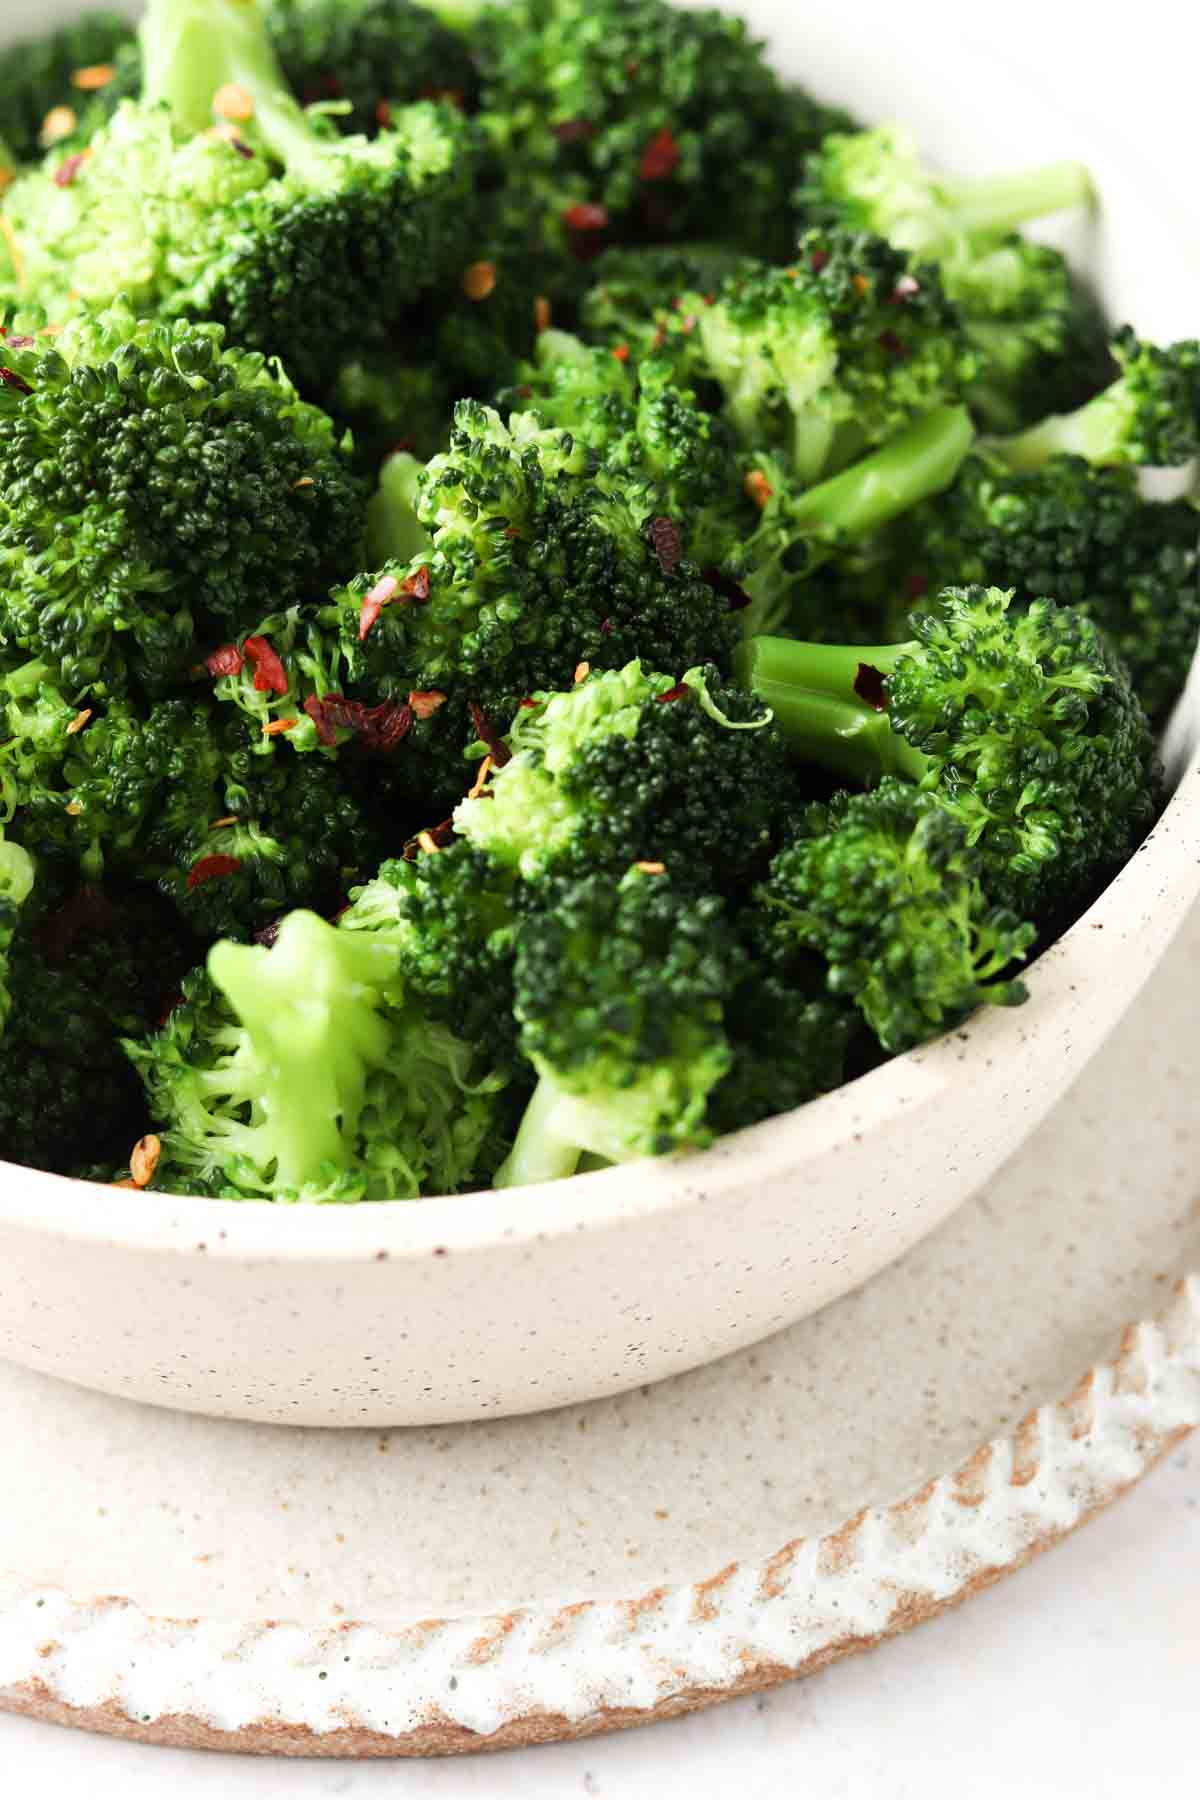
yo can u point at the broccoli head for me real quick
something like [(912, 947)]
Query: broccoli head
[(1149, 416), (829, 356), (635, 121), (369, 55), (886, 890), (633, 292), (1020, 721), (620, 987), (302, 1072), (152, 481), (307, 245)]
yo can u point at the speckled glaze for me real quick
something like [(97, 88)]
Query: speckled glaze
[(490, 1304)]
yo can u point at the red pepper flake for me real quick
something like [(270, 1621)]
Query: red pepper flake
[(242, 149), (586, 216), (757, 487), (379, 727), (436, 838), (66, 171), (905, 288), (479, 280), (404, 445), (621, 352), (892, 344), (448, 96), (650, 868), (416, 587), (11, 379), (268, 935), (689, 324), (870, 685), (426, 701), (511, 531), (606, 630), (660, 338), (20, 343), (681, 691), (667, 539), (210, 868), (860, 284), (660, 158), (383, 114), (915, 586), (487, 734), (274, 727), (632, 67), (728, 588), (374, 601), (573, 131), (228, 660), (818, 259), (531, 705), (94, 77), (542, 315), (270, 676)]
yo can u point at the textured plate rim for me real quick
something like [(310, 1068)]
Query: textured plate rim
[(447, 1686)]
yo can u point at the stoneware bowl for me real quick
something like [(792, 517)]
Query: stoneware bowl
[(502, 1303)]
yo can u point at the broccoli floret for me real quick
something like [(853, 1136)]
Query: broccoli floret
[(369, 55), (302, 1072), (393, 405), (619, 992), (292, 236), (636, 122), (885, 888), (630, 767), (789, 1040), (86, 965), (533, 569), (152, 481), (632, 296), (62, 69), (17, 875), (1149, 416), (1085, 535), (829, 356), (1039, 336), (1021, 722)]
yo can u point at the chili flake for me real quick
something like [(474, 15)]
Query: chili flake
[(270, 676), (817, 260), (66, 171), (425, 702), (586, 215), (582, 671), (273, 727), (233, 102), (660, 158), (228, 660), (725, 585), (860, 284), (479, 280), (143, 1160), (376, 598), (651, 868), (11, 379), (621, 352), (871, 686), (383, 114), (487, 734), (211, 868), (681, 691), (573, 131), (79, 721), (757, 487), (94, 77), (542, 314), (481, 776), (58, 124), (667, 539)]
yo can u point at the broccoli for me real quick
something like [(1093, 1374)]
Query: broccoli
[(1149, 416), (533, 569), (61, 69), (307, 245), (1021, 722), (636, 122), (885, 888), (302, 1072), (632, 295), (153, 482), (1085, 535), (87, 965), (369, 55), (829, 356), (17, 874), (1040, 337), (619, 993), (633, 767), (393, 404)]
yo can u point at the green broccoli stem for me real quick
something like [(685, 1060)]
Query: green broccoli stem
[(1096, 431), (538, 1153), (193, 48), (1000, 203), (813, 691), (394, 532), (919, 462)]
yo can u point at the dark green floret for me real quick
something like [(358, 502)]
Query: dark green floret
[(369, 56), (655, 122), (885, 888), (1021, 721), (155, 486), (1148, 417)]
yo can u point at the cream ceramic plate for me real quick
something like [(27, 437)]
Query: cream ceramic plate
[(494, 1304), (366, 1593)]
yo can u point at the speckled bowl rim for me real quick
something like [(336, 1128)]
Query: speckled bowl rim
[(537, 1675)]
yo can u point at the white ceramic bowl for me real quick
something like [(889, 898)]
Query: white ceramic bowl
[(487, 1304)]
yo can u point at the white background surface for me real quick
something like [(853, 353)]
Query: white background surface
[(1077, 1679)]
